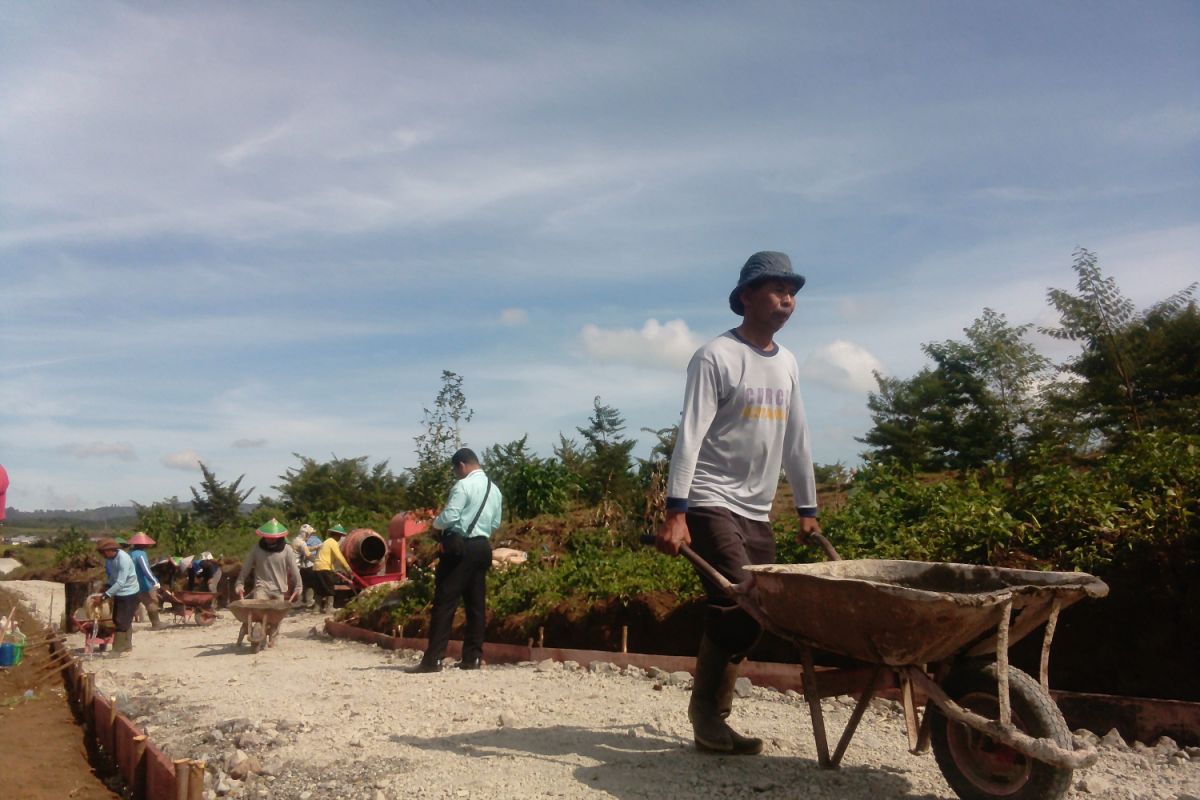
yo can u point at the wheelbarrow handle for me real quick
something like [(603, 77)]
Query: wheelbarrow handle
[(826, 546), (705, 568), (725, 585)]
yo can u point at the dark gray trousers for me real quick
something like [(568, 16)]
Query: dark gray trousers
[(729, 542)]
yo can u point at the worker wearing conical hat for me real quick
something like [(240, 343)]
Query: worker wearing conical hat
[(330, 560), (273, 564), (148, 585)]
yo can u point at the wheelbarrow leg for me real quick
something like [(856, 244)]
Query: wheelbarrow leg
[(814, 709), (859, 708), (813, 695)]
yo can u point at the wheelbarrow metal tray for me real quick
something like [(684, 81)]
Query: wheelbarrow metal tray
[(270, 611), (907, 612), (196, 599)]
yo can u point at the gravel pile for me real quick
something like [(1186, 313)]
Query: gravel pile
[(317, 718)]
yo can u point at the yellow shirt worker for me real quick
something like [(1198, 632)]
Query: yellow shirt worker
[(329, 558)]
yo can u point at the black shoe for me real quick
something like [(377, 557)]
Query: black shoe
[(473, 663), (423, 667)]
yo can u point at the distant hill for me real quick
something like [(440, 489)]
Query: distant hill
[(116, 516), (105, 517)]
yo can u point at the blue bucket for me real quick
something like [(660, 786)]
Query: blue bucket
[(11, 654)]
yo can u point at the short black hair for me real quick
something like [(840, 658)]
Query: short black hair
[(464, 456)]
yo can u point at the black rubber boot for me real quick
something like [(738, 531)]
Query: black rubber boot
[(122, 643), (742, 745), (712, 699)]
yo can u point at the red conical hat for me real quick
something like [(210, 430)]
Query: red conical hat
[(140, 538)]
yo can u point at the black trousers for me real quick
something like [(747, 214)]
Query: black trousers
[(324, 582), (730, 543), (124, 609), (460, 578)]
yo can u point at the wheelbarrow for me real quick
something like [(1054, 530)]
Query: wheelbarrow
[(944, 631), (260, 621), (198, 607), (361, 583), (96, 624)]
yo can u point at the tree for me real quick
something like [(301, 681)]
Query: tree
[(167, 522), (976, 405), (571, 455), (1003, 373), (221, 505), (1120, 379), (653, 473), (502, 461), (607, 481), (431, 477), (349, 486), (71, 543), (910, 420)]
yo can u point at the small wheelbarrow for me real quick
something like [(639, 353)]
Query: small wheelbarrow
[(96, 624), (944, 631), (364, 582), (260, 621), (197, 607)]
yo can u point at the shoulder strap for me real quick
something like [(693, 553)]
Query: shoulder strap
[(482, 503)]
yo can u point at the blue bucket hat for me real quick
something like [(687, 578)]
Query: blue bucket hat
[(762, 266)]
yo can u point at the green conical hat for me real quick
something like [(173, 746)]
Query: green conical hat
[(336, 529), (272, 529)]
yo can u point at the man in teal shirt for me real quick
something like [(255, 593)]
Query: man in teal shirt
[(465, 526)]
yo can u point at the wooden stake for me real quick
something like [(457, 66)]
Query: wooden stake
[(541, 636), (181, 778), (196, 781), (137, 780), (624, 638)]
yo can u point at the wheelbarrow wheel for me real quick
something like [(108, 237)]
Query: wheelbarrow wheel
[(258, 636), (978, 767)]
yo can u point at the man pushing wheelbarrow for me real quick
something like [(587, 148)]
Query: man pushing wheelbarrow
[(942, 630), (743, 420), (276, 585)]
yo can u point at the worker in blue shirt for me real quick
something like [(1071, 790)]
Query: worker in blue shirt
[(148, 585), (121, 577)]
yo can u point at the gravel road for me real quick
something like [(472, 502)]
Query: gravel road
[(318, 718)]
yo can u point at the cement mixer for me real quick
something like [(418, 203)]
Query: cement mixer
[(366, 551)]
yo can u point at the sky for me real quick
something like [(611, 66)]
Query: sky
[(231, 233)]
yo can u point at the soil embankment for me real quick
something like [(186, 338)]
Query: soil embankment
[(42, 751)]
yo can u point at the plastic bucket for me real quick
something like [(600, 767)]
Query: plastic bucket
[(11, 654)]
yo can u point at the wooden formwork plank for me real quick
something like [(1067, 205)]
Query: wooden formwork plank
[(101, 711), (124, 752), (160, 775), (833, 681), (1141, 719)]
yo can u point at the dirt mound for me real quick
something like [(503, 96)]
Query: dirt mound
[(76, 569)]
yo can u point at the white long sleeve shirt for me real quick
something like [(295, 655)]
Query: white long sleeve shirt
[(743, 420)]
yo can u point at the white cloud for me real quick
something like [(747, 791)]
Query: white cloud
[(666, 346), (185, 460), (842, 365), (1172, 126), (120, 450), (514, 317)]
